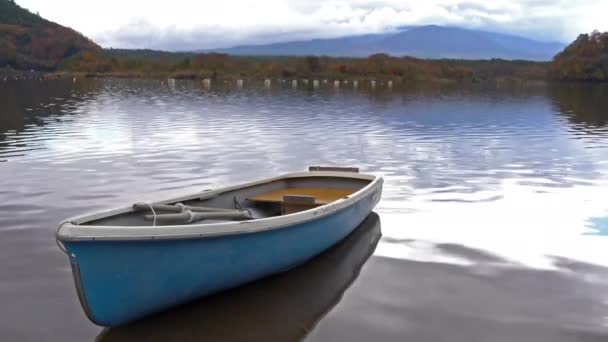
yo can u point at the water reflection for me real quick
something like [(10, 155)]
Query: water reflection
[(465, 294), (516, 171), (584, 105), (28, 106), (598, 225), (284, 307)]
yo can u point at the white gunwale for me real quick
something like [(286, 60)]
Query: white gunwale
[(72, 229)]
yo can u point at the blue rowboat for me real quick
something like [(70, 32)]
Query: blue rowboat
[(252, 312), (133, 261)]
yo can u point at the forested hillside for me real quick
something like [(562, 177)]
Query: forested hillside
[(28, 41), (586, 59)]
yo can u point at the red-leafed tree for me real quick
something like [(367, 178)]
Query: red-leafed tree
[(585, 59)]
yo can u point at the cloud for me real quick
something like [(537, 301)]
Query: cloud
[(187, 25)]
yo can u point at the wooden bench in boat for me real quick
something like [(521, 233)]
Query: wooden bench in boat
[(297, 199)]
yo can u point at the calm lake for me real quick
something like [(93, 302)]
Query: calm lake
[(493, 224)]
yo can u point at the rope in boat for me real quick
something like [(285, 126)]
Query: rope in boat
[(237, 205), (153, 212)]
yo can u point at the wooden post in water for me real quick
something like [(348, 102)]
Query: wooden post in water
[(267, 83), (294, 84), (207, 83), (355, 84), (239, 84), (373, 84), (315, 83), (389, 84), (336, 84)]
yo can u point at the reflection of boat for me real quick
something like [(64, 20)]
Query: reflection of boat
[(134, 261), (284, 307)]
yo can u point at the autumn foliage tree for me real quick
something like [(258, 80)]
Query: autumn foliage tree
[(191, 65), (28, 41), (586, 59)]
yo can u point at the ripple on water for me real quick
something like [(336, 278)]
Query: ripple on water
[(519, 176)]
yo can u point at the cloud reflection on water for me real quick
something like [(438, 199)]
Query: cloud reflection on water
[(502, 185), (526, 224)]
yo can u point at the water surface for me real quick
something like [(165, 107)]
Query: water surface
[(494, 213)]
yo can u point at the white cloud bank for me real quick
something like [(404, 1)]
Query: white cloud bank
[(188, 24)]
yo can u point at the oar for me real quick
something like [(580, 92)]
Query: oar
[(178, 208), (189, 216)]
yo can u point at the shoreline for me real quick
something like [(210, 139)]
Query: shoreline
[(324, 80), (312, 81)]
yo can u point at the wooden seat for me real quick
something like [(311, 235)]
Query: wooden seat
[(321, 196)]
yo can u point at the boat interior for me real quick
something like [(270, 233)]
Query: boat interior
[(274, 198)]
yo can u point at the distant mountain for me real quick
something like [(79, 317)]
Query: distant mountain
[(28, 41), (420, 41)]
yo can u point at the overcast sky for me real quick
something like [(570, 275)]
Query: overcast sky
[(202, 24)]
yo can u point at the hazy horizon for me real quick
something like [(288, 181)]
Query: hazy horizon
[(188, 25)]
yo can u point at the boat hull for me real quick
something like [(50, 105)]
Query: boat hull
[(121, 281)]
